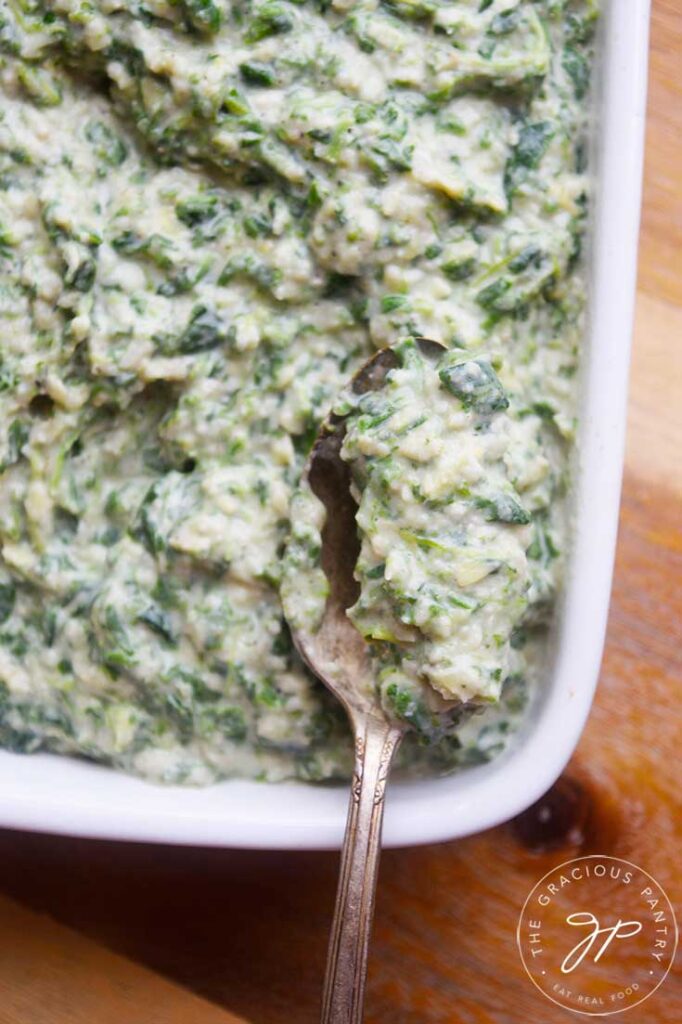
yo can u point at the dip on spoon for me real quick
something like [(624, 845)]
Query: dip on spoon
[(406, 576)]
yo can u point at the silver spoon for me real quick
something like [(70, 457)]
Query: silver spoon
[(337, 654)]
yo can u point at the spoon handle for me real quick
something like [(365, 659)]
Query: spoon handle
[(375, 744)]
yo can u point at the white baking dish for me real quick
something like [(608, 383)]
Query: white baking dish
[(54, 794)]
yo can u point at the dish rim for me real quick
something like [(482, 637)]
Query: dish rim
[(94, 801)]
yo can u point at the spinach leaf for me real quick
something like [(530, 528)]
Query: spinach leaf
[(203, 15), (196, 209), (578, 70), (502, 508), (205, 330), (108, 147), (159, 622), (8, 595), (459, 270), (257, 73), (154, 247), (505, 22), (476, 385), (534, 139), (412, 10), (270, 20), (17, 437)]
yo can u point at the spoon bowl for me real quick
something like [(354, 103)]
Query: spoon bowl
[(336, 652), (338, 655)]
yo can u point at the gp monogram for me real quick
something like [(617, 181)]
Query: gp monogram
[(597, 935), (620, 930)]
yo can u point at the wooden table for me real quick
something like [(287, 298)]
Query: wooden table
[(101, 933)]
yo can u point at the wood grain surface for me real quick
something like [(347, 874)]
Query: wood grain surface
[(194, 936), (50, 973)]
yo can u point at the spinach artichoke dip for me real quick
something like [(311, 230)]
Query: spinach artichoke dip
[(211, 214)]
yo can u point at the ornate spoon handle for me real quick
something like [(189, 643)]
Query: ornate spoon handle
[(375, 744)]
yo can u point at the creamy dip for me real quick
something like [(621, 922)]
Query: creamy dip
[(443, 567), (211, 214)]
